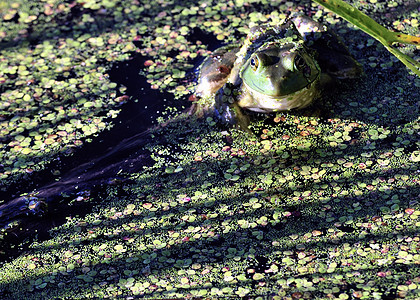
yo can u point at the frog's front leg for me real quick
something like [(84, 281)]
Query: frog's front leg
[(227, 110), (223, 100)]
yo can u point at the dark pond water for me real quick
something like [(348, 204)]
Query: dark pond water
[(85, 171)]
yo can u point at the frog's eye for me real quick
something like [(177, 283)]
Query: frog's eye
[(254, 63), (300, 63), (302, 66)]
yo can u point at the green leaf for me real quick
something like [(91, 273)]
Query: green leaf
[(377, 31)]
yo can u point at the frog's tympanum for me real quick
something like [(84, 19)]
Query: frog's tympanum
[(277, 68)]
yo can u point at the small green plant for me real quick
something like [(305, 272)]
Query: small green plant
[(377, 31)]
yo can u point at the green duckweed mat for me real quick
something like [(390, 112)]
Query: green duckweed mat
[(319, 204)]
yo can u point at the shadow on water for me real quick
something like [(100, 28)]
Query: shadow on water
[(111, 152), (120, 149), (239, 238)]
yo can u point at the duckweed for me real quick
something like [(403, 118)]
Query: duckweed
[(319, 203)]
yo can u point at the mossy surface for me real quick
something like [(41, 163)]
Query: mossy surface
[(320, 203)]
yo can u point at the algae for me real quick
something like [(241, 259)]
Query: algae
[(320, 203)]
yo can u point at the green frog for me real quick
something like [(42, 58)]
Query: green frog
[(277, 68)]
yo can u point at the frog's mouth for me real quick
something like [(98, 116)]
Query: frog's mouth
[(260, 102), (279, 71)]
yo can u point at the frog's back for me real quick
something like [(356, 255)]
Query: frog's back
[(332, 54)]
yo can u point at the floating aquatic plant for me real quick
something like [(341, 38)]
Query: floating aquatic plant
[(312, 207)]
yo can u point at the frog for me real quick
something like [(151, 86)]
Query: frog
[(277, 68)]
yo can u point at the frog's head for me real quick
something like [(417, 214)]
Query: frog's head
[(279, 69)]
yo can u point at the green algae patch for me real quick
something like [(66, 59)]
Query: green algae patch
[(320, 203), (55, 90)]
